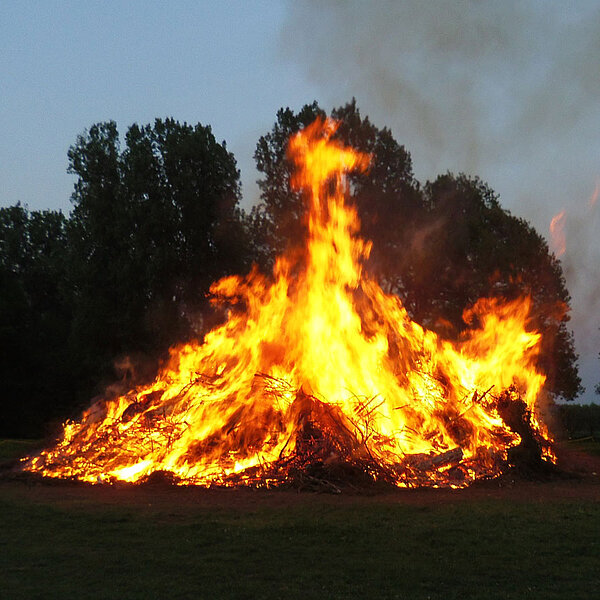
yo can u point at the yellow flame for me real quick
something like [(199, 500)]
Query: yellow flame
[(319, 329)]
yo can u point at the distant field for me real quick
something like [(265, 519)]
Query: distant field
[(10, 449), (527, 540), (588, 444)]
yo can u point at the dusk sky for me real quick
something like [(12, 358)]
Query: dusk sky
[(505, 90)]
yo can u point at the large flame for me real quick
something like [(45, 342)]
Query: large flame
[(318, 350)]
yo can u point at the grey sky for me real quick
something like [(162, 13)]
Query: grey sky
[(504, 90)]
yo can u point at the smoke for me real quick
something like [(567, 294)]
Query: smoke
[(504, 90)]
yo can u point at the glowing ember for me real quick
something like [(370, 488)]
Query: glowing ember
[(558, 240), (315, 370)]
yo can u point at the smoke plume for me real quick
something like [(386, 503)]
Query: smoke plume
[(504, 90)]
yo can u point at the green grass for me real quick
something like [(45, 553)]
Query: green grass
[(321, 549), (10, 449), (588, 445), (316, 548)]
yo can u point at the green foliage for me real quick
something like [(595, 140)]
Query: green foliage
[(278, 219), (470, 247), (387, 196), (384, 195)]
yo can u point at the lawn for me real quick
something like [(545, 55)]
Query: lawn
[(70, 541), (316, 548)]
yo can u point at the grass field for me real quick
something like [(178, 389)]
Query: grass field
[(10, 449), (588, 444), (64, 544)]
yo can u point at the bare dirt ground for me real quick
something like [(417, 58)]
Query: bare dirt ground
[(579, 479)]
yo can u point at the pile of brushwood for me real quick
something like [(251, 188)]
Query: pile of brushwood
[(331, 454), (328, 450)]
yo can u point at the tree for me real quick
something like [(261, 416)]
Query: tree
[(35, 312), (184, 190), (387, 196), (152, 226), (470, 247)]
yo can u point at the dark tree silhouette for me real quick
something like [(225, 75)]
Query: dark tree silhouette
[(35, 313), (470, 247), (387, 196), (152, 227), (278, 220)]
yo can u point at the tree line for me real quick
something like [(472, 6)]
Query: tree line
[(156, 219)]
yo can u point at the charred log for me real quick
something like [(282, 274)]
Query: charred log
[(427, 462), (527, 457)]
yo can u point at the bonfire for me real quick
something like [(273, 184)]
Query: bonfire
[(318, 377)]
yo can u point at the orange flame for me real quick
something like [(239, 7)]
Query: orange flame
[(558, 239), (594, 197), (320, 344)]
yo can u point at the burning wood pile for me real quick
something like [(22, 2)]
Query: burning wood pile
[(320, 380)]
